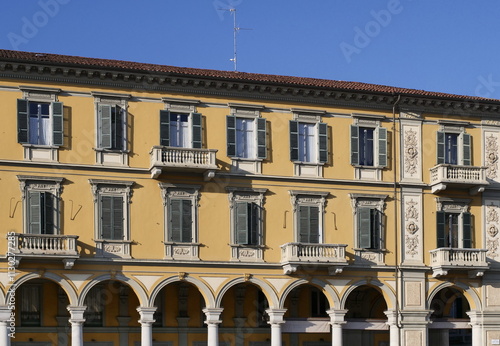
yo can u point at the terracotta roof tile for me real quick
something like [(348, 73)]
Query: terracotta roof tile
[(75, 61)]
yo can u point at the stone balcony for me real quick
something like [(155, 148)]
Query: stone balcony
[(331, 256), (185, 159), (458, 177), (44, 246), (471, 260)]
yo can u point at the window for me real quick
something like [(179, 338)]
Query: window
[(308, 142), (30, 305), (246, 137), (247, 213), (453, 224), (40, 123), (111, 201), (308, 215), (368, 146), (181, 220), (319, 303), (182, 130), (41, 204), (94, 302), (453, 148), (369, 228)]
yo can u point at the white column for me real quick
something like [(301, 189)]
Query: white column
[(276, 320), (5, 326), (477, 327), (336, 321), (212, 321), (76, 321), (146, 322), (393, 327)]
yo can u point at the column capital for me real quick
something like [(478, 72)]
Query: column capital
[(76, 313), (213, 315), (391, 317), (336, 316), (276, 316), (146, 314), (5, 313)]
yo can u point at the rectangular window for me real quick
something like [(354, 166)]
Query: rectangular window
[(319, 303), (453, 148), (309, 231), (42, 212), (246, 137), (369, 228), (454, 230), (247, 223), (40, 123), (94, 313), (111, 126), (30, 305), (181, 130), (308, 142), (368, 146), (112, 218), (181, 221)]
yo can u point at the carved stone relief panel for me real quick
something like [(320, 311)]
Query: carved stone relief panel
[(411, 159), (412, 227), (491, 155), (491, 228)]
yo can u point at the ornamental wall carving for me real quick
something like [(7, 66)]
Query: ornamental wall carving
[(412, 228), (492, 227), (491, 155), (411, 152), (411, 155)]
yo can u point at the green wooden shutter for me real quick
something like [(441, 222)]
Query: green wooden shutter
[(254, 220), (196, 137), (466, 148), (467, 230), (48, 205), (241, 223), (22, 121), (314, 225), (105, 126), (294, 140), (441, 229), (106, 217), (187, 221), (165, 128), (440, 147), (117, 218), (354, 145), (382, 146), (57, 123), (35, 213), (175, 220), (303, 224), (231, 135), (118, 132), (364, 228), (323, 142), (308, 224), (261, 138)]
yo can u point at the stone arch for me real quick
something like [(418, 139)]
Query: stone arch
[(271, 296), (204, 290), (138, 290), (387, 293), (330, 293), (65, 285), (468, 292)]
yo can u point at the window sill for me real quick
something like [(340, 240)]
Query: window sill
[(113, 248), (373, 173), (308, 169), (182, 251), (111, 157), (43, 153), (246, 165), (247, 253), (369, 256)]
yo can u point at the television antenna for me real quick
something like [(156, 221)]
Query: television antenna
[(236, 29)]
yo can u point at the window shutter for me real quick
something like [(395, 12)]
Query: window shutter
[(231, 135), (294, 140), (57, 123), (187, 221), (354, 145), (35, 214), (467, 230), (196, 138), (175, 220), (242, 223), (254, 223), (364, 228), (440, 229), (48, 205), (308, 224), (323, 142), (165, 128), (466, 147), (118, 133), (105, 126), (106, 217), (314, 225), (261, 138), (440, 147), (382, 146), (117, 218), (22, 121)]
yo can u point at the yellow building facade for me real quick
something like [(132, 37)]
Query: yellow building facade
[(156, 205)]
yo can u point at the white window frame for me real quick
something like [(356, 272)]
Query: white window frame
[(187, 107), (104, 156), (51, 185), (373, 255), (112, 188), (246, 252), (457, 128), (181, 250), (311, 199)]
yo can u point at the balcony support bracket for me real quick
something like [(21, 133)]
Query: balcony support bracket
[(334, 270)]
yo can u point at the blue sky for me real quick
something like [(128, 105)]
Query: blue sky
[(446, 45)]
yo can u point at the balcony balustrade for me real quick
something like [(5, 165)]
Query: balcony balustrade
[(294, 255), (472, 260), (187, 159), (460, 177), (44, 246)]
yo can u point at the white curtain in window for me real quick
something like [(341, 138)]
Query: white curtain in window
[(245, 138), (307, 142), (179, 131)]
